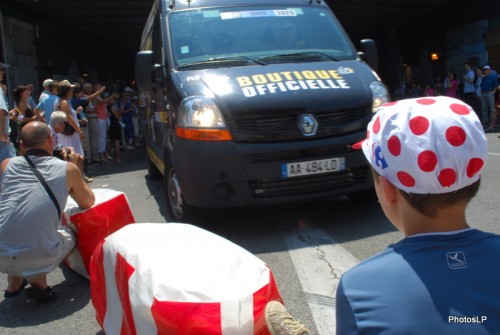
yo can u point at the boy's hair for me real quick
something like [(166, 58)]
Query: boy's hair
[(430, 204)]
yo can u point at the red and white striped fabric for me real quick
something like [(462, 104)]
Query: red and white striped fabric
[(110, 212), (176, 278)]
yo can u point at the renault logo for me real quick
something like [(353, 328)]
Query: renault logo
[(308, 124)]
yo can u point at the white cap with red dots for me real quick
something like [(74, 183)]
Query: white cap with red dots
[(426, 145)]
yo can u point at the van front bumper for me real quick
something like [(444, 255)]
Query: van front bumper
[(228, 174)]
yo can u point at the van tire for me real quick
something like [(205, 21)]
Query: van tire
[(153, 171), (364, 197), (178, 210)]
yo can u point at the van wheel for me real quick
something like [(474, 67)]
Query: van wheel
[(153, 171), (177, 208), (364, 197)]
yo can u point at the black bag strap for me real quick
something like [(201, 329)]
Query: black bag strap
[(44, 184)]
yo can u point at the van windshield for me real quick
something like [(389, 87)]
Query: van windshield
[(247, 35)]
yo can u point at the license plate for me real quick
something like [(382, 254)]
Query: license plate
[(312, 167)]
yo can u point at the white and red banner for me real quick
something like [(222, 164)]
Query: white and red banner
[(172, 278), (110, 212)]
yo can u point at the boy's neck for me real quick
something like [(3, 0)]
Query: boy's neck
[(447, 219)]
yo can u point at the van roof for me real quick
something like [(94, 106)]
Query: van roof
[(186, 4)]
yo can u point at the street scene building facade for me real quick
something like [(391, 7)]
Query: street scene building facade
[(40, 41)]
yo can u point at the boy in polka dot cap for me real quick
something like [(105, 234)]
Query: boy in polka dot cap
[(427, 156), (426, 145)]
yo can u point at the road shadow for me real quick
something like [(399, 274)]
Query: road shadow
[(130, 160), (339, 217), (22, 311), (157, 190)]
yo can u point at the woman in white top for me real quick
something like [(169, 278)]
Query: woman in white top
[(65, 90)]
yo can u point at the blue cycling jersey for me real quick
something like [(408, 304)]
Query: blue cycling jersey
[(430, 284)]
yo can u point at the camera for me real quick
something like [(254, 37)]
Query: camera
[(58, 151)]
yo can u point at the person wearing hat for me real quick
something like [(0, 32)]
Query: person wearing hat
[(6, 147), (46, 91), (48, 103), (489, 85), (427, 156)]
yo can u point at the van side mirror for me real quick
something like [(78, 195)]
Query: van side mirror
[(146, 72), (369, 53)]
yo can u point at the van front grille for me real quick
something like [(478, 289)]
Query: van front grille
[(282, 125)]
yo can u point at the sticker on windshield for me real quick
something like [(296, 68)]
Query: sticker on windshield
[(210, 13), (257, 13)]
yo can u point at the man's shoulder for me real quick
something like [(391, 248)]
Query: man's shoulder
[(42, 162), (49, 99), (17, 159), (46, 159), (12, 160)]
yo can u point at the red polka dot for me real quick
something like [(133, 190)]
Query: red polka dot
[(427, 161), (419, 125), (406, 179), (394, 146), (474, 166), (426, 101), (455, 136), (447, 177), (460, 109), (376, 125)]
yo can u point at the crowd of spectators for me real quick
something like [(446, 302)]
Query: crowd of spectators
[(99, 123), (470, 88)]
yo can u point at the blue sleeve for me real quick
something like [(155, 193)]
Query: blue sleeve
[(40, 106), (346, 323), (74, 103)]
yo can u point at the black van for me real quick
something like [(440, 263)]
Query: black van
[(253, 102)]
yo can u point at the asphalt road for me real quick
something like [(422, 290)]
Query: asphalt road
[(280, 236)]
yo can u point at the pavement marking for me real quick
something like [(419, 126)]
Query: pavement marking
[(319, 262)]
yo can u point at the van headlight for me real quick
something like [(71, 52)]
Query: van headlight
[(199, 118), (380, 95)]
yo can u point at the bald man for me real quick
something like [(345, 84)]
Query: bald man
[(32, 240)]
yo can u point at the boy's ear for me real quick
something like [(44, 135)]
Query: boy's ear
[(389, 191)]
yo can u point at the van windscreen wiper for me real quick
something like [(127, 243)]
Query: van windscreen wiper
[(297, 56), (222, 61)]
